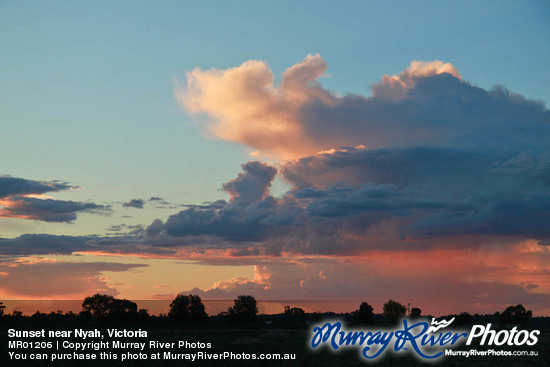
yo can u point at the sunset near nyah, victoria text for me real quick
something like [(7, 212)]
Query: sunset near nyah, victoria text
[(308, 151)]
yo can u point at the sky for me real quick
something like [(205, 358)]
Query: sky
[(363, 150)]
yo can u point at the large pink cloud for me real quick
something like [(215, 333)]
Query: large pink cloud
[(427, 104), (247, 107)]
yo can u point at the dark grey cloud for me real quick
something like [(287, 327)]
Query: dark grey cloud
[(218, 204), (12, 186), (442, 190), (134, 203), (42, 244), (154, 228), (337, 199), (134, 242), (357, 199), (49, 210), (158, 200), (240, 219), (252, 185), (438, 110), (18, 202)]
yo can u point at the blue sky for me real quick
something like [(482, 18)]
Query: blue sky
[(88, 87)]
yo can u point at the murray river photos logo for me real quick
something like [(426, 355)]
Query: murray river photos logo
[(425, 341)]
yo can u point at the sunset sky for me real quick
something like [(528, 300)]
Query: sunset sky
[(311, 150)]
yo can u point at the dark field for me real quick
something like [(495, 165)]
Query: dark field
[(291, 338)]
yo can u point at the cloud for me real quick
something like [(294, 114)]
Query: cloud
[(396, 87), (13, 186), (158, 200), (357, 200), (237, 220), (252, 185), (133, 243), (25, 199), (134, 203), (462, 282), (49, 279), (42, 244), (247, 108), (442, 191), (154, 228), (218, 204), (427, 104), (47, 210), (125, 229)]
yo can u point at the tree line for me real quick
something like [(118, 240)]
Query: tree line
[(189, 309)]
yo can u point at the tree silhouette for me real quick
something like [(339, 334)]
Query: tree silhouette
[(464, 319), (515, 315), (98, 305), (415, 313), (187, 308), (295, 312), (393, 311), (364, 315), (122, 309), (102, 306), (143, 314), (2, 308), (244, 309)]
